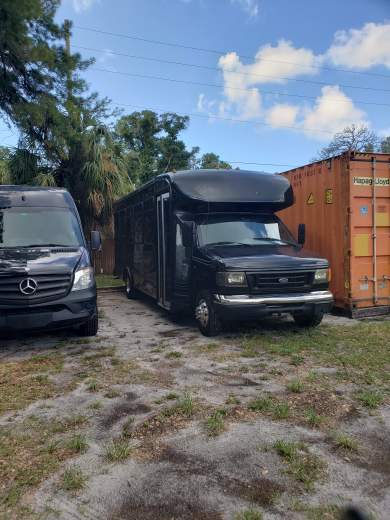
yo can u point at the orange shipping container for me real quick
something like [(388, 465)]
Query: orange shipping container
[(345, 204)]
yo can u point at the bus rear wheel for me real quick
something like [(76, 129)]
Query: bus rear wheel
[(208, 321), (131, 292)]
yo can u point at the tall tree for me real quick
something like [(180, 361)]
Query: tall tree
[(213, 161), (352, 139), (4, 165), (152, 145), (385, 145)]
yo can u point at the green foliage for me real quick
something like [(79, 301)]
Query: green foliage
[(151, 144), (213, 161), (4, 165)]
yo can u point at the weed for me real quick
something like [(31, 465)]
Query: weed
[(263, 404), (302, 465), (215, 423), (295, 386), (128, 427), (174, 355), (297, 359), (345, 442), (370, 399), (117, 451), (313, 418), (73, 479), (92, 385), (249, 514), (96, 405), (281, 410), (77, 443), (112, 393), (171, 396), (232, 399)]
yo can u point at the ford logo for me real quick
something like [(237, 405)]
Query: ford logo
[(283, 280), (28, 286)]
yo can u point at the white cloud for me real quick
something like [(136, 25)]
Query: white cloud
[(282, 115), (361, 48), (332, 111), (251, 7), (83, 5)]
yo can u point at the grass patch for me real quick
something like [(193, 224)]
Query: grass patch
[(215, 423), (128, 427), (117, 451), (295, 386), (112, 393), (106, 281), (313, 418), (263, 404), (304, 467), (358, 350), (249, 514), (370, 398), (185, 406), (346, 442), (232, 400), (30, 452), (26, 381), (281, 410), (73, 479), (96, 405), (174, 355), (77, 443), (92, 386)]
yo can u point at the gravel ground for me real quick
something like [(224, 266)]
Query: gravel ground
[(170, 432)]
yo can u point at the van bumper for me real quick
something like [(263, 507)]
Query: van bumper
[(74, 309), (246, 307)]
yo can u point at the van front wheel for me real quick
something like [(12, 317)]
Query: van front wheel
[(312, 319), (208, 322)]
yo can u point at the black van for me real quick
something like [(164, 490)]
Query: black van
[(209, 242), (46, 278)]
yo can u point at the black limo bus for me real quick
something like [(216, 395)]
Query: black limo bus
[(210, 242)]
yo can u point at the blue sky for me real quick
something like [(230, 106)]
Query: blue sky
[(283, 46)]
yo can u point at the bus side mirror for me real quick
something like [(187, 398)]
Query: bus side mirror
[(301, 234), (96, 240), (188, 233)]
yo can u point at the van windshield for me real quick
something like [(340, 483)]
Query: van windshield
[(243, 230), (35, 227)]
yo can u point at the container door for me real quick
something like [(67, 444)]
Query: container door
[(162, 249)]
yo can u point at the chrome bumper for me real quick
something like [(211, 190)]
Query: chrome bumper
[(244, 299)]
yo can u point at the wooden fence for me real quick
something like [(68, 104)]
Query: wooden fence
[(104, 260)]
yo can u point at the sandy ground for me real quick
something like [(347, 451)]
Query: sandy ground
[(176, 469)]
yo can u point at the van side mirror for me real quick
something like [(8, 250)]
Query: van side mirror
[(301, 234), (188, 233), (96, 240)]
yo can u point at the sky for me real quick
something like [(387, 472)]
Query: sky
[(265, 82)]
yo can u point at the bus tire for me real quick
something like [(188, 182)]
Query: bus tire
[(312, 319), (208, 321), (131, 292)]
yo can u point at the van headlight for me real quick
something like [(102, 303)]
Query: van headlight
[(83, 279), (232, 279), (322, 276)]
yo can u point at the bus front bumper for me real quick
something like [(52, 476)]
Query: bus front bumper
[(243, 306)]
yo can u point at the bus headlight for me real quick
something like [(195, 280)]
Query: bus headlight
[(322, 276), (232, 279), (83, 279)]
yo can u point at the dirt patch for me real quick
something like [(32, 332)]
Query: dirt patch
[(120, 411), (262, 491), (172, 333), (175, 509)]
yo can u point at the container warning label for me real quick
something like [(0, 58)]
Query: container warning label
[(329, 196), (310, 199), (367, 181)]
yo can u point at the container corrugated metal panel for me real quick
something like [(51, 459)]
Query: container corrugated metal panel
[(336, 198)]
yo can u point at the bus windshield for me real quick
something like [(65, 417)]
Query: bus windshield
[(243, 230), (36, 227)]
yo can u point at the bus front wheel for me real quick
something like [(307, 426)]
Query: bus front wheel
[(208, 321)]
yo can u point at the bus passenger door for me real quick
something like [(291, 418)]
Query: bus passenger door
[(162, 249)]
